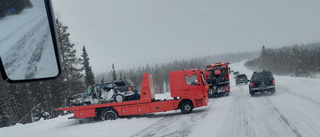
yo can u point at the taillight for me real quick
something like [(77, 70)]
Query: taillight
[(130, 88), (273, 82), (252, 84)]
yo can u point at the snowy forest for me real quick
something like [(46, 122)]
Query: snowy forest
[(9, 7), (21, 103), (297, 60)]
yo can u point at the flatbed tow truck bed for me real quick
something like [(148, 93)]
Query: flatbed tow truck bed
[(183, 99)]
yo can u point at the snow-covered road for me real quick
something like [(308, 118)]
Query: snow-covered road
[(293, 111)]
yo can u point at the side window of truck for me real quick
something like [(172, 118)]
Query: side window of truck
[(191, 80)]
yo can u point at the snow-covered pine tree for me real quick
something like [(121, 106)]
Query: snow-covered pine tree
[(114, 75), (71, 64), (88, 73)]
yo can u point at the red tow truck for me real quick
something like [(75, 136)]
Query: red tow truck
[(218, 79), (188, 89)]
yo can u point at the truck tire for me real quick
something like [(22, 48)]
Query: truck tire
[(109, 114), (118, 98), (186, 107), (210, 92)]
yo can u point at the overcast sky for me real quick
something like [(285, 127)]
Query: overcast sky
[(130, 33)]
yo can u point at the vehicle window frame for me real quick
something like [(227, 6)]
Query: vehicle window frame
[(191, 79), (203, 81)]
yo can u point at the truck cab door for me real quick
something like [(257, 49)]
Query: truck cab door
[(193, 85)]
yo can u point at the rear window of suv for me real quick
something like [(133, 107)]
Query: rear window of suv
[(262, 75), (241, 76)]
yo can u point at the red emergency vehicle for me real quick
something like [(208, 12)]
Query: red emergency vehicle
[(187, 87), (218, 79)]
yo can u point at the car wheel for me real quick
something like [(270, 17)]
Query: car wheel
[(109, 114), (226, 93), (252, 94), (186, 107), (118, 98), (273, 91)]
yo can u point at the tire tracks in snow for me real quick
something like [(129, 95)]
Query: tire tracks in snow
[(283, 118), (174, 124), (256, 117), (300, 114), (275, 111), (300, 95), (14, 32), (242, 120), (22, 46)]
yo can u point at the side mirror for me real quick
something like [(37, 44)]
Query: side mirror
[(28, 41)]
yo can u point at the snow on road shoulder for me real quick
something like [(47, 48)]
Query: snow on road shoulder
[(64, 127)]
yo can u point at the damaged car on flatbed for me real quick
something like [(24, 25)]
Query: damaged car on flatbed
[(115, 91)]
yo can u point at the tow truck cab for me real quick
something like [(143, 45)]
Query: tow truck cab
[(188, 89), (188, 84)]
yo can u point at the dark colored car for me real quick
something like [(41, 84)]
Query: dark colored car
[(262, 82), (77, 99), (235, 73), (241, 78), (124, 90)]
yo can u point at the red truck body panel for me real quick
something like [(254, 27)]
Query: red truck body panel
[(147, 103)]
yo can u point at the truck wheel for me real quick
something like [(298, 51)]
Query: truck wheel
[(118, 98), (210, 92), (109, 114), (186, 107)]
